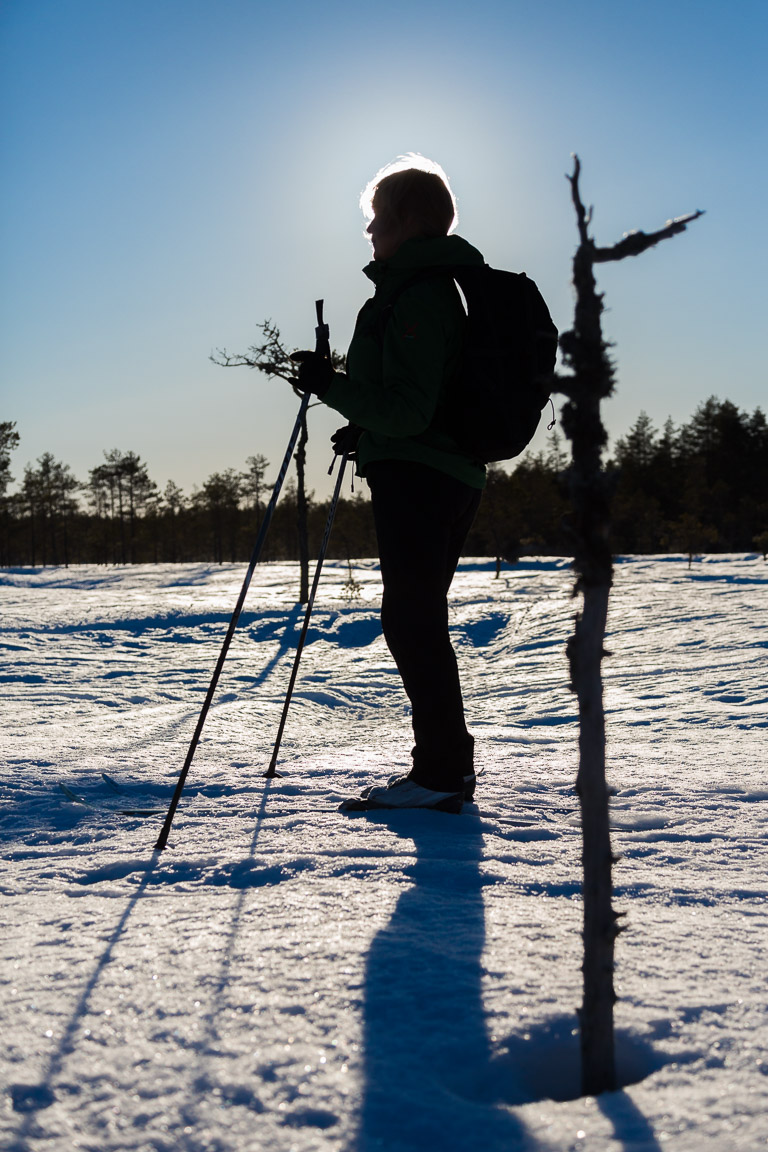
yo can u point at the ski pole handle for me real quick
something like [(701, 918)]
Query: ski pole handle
[(322, 333)]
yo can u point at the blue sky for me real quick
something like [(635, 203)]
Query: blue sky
[(175, 171)]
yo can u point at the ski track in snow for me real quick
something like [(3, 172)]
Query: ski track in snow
[(287, 978)]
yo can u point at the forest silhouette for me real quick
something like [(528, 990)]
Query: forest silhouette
[(699, 487)]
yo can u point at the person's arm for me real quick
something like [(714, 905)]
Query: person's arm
[(402, 400)]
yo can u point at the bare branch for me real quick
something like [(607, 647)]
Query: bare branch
[(583, 217), (636, 242), (270, 357)]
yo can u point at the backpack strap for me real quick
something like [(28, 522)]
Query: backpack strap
[(420, 277)]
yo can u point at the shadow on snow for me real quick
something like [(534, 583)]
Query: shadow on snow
[(424, 1029), (433, 1078)]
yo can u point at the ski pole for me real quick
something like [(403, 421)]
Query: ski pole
[(271, 771), (321, 342), (162, 839)]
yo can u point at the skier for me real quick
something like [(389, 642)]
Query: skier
[(425, 491)]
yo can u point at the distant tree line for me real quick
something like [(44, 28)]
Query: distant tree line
[(700, 487), (119, 515)]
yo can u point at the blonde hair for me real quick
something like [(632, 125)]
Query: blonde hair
[(413, 188)]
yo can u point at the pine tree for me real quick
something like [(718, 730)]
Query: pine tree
[(48, 500), (219, 500), (172, 505), (9, 440), (119, 490)]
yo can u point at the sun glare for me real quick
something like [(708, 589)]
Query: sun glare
[(409, 160)]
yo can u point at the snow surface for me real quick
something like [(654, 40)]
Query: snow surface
[(286, 977)]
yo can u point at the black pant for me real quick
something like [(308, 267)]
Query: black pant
[(422, 519)]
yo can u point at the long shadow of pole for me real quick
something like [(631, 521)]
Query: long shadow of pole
[(425, 1036), (199, 1081), (286, 644), (30, 1098)]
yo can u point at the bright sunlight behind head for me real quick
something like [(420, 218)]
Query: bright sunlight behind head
[(403, 164)]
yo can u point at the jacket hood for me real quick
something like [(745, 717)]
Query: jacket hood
[(424, 252)]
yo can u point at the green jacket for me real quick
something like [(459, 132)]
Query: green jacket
[(396, 374)]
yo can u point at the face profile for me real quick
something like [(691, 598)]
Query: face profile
[(387, 232), (406, 202)]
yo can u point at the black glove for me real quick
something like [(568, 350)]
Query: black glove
[(345, 440), (315, 373)]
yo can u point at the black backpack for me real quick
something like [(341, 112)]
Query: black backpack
[(493, 406)]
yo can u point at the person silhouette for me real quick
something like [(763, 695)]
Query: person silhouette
[(425, 491)]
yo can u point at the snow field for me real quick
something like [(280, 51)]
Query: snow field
[(284, 977)]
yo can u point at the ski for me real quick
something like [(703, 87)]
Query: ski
[(352, 806), (70, 795), (220, 813), (74, 798)]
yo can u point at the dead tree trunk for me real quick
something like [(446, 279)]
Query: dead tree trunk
[(586, 354)]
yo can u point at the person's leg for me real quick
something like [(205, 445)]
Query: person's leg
[(422, 519)]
